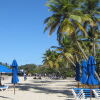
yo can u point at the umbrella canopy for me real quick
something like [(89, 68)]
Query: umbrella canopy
[(4, 69), (77, 76), (14, 72), (91, 69), (83, 79)]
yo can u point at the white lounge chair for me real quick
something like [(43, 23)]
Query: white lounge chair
[(3, 87), (96, 93), (78, 94), (83, 93)]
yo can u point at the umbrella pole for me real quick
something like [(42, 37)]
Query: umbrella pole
[(78, 84), (14, 89), (90, 92), (0, 79)]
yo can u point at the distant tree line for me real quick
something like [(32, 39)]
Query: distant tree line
[(32, 69)]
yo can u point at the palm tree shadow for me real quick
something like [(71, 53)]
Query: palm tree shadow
[(42, 89), (5, 98)]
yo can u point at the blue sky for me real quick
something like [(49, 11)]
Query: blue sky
[(21, 31)]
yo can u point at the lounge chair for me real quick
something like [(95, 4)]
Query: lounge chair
[(3, 87), (82, 93), (96, 93), (78, 94)]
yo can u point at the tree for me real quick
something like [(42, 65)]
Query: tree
[(74, 18), (67, 18), (51, 58), (78, 19), (28, 68), (92, 8)]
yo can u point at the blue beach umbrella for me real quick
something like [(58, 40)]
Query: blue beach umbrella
[(4, 69), (83, 79), (15, 79), (91, 70), (77, 76), (91, 77)]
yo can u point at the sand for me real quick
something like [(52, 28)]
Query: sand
[(38, 89)]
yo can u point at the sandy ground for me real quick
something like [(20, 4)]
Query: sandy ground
[(32, 89)]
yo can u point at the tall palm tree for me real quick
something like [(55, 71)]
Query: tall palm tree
[(75, 18), (67, 18), (93, 9)]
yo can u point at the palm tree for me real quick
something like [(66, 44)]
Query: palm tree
[(67, 18), (51, 59), (65, 50), (75, 18), (92, 8)]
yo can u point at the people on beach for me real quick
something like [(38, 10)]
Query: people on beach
[(25, 77)]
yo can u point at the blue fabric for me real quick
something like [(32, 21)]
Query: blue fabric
[(77, 76), (91, 69), (4, 69), (83, 79), (14, 63), (14, 72)]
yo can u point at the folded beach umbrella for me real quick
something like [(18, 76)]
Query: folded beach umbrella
[(91, 77), (91, 70), (77, 76), (15, 79), (83, 78)]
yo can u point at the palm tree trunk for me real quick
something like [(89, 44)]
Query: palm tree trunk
[(76, 58), (94, 51), (81, 49), (71, 61), (96, 74)]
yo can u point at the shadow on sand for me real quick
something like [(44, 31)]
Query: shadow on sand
[(42, 89), (41, 86), (5, 98)]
